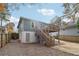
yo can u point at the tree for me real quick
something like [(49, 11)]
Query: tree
[(78, 23), (3, 16), (10, 27), (70, 10), (1, 7), (74, 10)]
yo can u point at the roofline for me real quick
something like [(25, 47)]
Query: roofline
[(19, 23), (22, 18), (70, 27)]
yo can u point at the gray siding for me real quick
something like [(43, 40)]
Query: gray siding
[(72, 32), (28, 25), (21, 27)]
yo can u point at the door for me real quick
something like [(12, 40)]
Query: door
[(27, 37)]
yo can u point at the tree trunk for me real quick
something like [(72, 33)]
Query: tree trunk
[(59, 24), (1, 35), (58, 36)]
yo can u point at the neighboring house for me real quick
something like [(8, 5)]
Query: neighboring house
[(70, 32), (27, 29)]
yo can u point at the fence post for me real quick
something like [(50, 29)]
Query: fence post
[(1, 40)]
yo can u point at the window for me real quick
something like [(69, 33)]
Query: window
[(32, 25)]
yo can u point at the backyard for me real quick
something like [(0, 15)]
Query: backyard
[(14, 48), (33, 29)]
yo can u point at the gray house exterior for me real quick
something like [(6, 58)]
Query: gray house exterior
[(70, 32), (27, 28)]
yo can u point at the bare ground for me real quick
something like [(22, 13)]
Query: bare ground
[(19, 49)]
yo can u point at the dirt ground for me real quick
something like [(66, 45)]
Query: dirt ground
[(70, 47), (18, 49)]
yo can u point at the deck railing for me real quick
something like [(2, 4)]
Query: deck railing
[(44, 36)]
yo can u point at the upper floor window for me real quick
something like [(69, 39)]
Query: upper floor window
[(32, 25)]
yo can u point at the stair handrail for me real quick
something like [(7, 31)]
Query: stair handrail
[(45, 35)]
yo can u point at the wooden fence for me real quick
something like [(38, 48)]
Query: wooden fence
[(4, 39)]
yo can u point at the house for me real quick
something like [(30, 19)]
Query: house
[(27, 29), (70, 32), (68, 29)]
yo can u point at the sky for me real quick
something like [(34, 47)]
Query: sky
[(43, 12)]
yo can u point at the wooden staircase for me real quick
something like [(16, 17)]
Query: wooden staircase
[(44, 36)]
